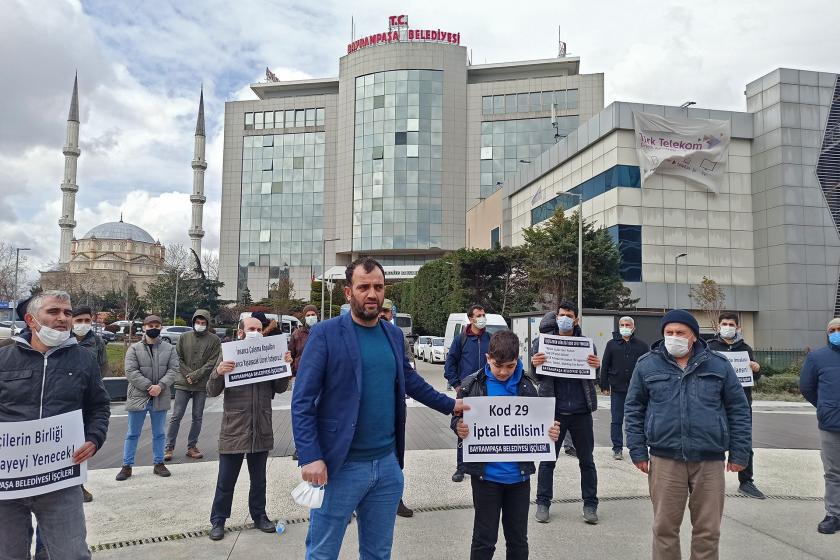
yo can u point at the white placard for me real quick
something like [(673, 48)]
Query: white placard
[(565, 356), (257, 359), (36, 456), (741, 364), (509, 429)]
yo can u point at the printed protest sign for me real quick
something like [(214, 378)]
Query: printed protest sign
[(36, 456), (741, 364), (565, 356), (509, 429), (257, 359)]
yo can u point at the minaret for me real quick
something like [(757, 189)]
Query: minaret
[(199, 165), (69, 188)]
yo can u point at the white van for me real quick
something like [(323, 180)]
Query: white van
[(457, 322), (287, 325)]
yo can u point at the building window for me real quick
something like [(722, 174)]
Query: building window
[(269, 119), (249, 121), (398, 160), (278, 119), (494, 238), (628, 238), (487, 105), (258, 121), (505, 145), (300, 118), (310, 117), (320, 117)]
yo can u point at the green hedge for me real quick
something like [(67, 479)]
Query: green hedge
[(780, 383)]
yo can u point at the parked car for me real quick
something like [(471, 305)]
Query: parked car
[(435, 352), (7, 330), (171, 334), (221, 332), (419, 344), (107, 336), (288, 323)]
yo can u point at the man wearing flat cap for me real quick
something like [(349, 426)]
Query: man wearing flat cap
[(685, 412)]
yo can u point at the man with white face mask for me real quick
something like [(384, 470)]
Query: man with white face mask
[(246, 434), (685, 411), (729, 339), (45, 373)]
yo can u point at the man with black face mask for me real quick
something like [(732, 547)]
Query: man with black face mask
[(150, 368)]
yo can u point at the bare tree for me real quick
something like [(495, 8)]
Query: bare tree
[(709, 297), (7, 271), (210, 264)]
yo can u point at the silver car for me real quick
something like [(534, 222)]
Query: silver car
[(173, 333)]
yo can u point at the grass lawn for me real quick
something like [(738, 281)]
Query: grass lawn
[(116, 358)]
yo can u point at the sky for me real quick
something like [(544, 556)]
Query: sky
[(141, 65)]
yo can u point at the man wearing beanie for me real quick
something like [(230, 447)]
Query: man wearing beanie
[(685, 411), (819, 382)]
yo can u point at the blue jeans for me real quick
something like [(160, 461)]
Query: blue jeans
[(617, 399), (370, 488), (135, 428)]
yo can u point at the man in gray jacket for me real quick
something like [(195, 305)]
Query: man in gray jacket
[(45, 373), (150, 368)]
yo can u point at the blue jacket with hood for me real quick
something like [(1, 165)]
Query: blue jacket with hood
[(819, 382)]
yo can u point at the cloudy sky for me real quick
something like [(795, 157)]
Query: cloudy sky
[(141, 64)]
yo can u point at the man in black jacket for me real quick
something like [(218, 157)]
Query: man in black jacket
[(729, 339), (45, 373), (575, 401), (620, 357)]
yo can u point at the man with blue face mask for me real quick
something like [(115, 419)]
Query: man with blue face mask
[(685, 411), (819, 382), (575, 401)]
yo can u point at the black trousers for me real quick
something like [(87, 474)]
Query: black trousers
[(583, 437), (512, 501), (229, 467)]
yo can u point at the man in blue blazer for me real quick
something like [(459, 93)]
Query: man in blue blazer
[(348, 418)]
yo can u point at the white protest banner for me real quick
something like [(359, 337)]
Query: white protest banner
[(741, 364), (36, 456), (565, 356), (257, 359), (695, 149), (509, 429)]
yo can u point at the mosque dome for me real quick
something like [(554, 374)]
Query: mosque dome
[(121, 231)]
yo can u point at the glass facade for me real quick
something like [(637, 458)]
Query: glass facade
[(292, 118), (506, 144), (398, 154), (282, 201), (530, 102), (628, 238)]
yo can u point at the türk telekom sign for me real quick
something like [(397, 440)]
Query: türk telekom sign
[(398, 32)]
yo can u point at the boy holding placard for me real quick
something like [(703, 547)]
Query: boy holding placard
[(500, 487), (729, 339)]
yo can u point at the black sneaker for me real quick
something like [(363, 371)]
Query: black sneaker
[(161, 470), (458, 476), (217, 533), (749, 489), (590, 515), (264, 524), (829, 525), (404, 511), (571, 452)]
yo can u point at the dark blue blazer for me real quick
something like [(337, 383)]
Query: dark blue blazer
[(327, 392)]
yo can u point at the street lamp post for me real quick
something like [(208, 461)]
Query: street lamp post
[(15, 287), (681, 255), (580, 249), (324, 272)]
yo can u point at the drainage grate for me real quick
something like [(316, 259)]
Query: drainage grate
[(427, 509)]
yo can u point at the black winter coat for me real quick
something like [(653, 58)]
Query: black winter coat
[(619, 360), (66, 378), (561, 388), (475, 385), (719, 345)]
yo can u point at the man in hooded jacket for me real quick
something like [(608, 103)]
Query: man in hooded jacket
[(198, 352), (575, 401)]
